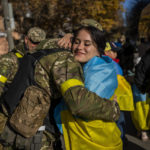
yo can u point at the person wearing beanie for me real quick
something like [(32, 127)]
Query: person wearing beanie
[(34, 36), (125, 103)]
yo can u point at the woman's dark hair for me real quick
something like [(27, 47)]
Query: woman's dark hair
[(97, 36)]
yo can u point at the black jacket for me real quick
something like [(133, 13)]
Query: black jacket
[(142, 73)]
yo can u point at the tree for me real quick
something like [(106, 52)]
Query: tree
[(53, 15), (144, 23)]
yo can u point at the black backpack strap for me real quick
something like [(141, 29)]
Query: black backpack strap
[(40, 53), (21, 81), (23, 78)]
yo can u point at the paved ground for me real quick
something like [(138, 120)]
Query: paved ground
[(134, 143)]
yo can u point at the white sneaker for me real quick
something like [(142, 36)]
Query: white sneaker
[(144, 136)]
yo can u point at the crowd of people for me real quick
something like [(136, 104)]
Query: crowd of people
[(71, 93)]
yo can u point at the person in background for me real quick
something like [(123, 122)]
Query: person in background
[(140, 116), (112, 51), (144, 45), (34, 36), (127, 55), (23, 28), (121, 41), (125, 103), (3, 43)]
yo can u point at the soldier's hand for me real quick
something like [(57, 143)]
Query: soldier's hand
[(65, 42), (115, 98), (16, 35)]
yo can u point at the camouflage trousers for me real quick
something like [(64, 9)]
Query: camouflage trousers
[(9, 140)]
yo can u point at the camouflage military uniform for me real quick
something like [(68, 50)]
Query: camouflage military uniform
[(58, 75), (9, 62), (53, 74), (35, 35)]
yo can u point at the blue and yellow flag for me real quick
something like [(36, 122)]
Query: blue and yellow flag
[(101, 78)]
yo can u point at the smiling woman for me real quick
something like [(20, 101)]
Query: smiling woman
[(88, 42), (101, 78)]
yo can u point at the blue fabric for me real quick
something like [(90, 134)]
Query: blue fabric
[(118, 44), (118, 68), (137, 95), (60, 107), (121, 120), (100, 77), (121, 124)]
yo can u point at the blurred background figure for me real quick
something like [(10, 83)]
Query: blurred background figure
[(125, 99), (3, 43), (141, 115), (121, 41), (33, 37), (144, 46)]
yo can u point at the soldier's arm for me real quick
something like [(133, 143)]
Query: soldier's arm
[(8, 69), (81, 102)]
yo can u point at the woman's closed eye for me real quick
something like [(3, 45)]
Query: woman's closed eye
[(77, 41), (88, 43)]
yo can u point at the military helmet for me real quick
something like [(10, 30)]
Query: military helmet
[(36, 35), (89, 22)]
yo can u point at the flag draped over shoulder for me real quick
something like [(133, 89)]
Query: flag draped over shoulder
[(140, 116), (101, 78), (123, 91)]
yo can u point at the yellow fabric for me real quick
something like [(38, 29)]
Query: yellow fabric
[(3, 79), (108, 47), (124, 94), (90, 135), (70, 83), (141, 115), (18, 55)]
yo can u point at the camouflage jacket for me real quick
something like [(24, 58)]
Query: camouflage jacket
[(59, 75), (8, 69), (21, 48), (62, 67), (9, 64)]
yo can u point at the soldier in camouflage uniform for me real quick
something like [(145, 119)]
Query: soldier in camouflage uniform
[(9, 63), (58, 75), (34, 36)]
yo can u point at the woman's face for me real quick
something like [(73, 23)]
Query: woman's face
[(84, 48)]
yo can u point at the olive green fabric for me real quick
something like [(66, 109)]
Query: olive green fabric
[(50, 72)]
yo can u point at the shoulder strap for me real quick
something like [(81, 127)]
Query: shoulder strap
[(40, 53), (23, 78)]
